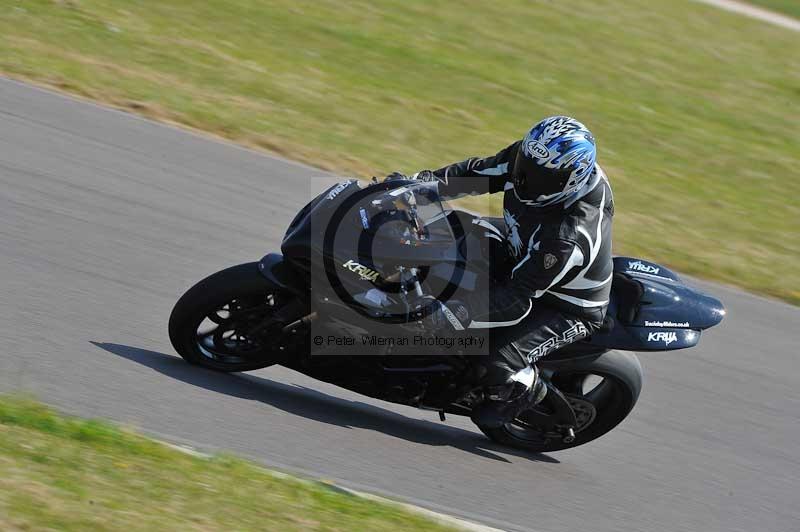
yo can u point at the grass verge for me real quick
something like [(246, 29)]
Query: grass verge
[(787, 7), (64, 473), (696, 110)]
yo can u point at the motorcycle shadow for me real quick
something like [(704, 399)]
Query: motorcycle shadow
[(319, 406)]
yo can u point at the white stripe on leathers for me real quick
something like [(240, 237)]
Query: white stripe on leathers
[(500, 169), (584, 303), (580, 282), (487, 225), (490, 324), (531, 246), (575, 259)]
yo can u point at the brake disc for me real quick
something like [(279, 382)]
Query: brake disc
[(585, 412)]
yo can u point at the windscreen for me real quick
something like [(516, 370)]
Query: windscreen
[(412, 214)]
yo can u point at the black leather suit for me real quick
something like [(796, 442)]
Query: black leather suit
[(556, 279)]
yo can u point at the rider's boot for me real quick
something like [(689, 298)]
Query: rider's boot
[(504, 402)]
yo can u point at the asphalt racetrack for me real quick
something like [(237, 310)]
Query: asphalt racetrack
[(107, 219)]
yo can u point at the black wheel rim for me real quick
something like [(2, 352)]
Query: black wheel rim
[(237, 331), (590, 395)]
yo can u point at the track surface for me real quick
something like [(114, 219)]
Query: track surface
[(106, 219)]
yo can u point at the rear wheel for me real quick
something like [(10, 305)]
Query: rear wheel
[(601, 391), (225, 323)]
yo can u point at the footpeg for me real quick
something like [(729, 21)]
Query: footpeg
[(568, 435)]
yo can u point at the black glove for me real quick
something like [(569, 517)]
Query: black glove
[(394, 176), (424, 175)]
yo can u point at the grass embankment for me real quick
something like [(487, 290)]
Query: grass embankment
[(696, 110), (787, 7), (62, 473)]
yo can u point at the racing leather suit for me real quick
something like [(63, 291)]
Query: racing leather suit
[(559, 256)]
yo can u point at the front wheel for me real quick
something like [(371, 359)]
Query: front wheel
[(602, 391), (226, 321)]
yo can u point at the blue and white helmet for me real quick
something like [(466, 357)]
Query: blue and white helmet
[(554, 162)]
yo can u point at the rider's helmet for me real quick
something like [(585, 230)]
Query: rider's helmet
[(554, 163)]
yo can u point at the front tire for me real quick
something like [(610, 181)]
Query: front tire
[(229, 304), (615, 389)]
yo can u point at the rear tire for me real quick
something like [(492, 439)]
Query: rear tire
[(612, 399), (246, 294)]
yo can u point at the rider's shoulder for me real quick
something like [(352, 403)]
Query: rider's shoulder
[(600, 196)]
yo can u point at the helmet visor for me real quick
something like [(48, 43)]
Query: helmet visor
[(537, 182)]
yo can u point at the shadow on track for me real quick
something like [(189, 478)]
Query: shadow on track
[(312, 404)]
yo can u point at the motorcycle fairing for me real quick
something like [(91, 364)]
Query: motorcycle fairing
[(652, 310)]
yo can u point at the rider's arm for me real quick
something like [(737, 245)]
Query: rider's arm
[(546, 264), (475, 175)]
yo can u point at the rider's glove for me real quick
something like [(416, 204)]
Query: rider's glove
[(449, 316), (424, 175), (394, 176)]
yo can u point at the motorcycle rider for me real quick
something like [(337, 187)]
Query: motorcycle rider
[(556, 231)]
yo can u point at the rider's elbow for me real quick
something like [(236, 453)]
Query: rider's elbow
[(594, 320)]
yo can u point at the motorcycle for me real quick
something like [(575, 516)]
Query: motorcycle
[(364, 261)]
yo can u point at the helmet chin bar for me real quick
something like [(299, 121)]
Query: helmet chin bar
[(543, 198)]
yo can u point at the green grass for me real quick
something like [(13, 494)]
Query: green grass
[(63, 473), (787, 7), (696, 110)]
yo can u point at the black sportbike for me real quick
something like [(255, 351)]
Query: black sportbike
[(362, 262)]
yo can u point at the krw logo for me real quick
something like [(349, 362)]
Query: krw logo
[(666, 337)]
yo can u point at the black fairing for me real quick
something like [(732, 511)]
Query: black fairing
[(308, 244), (652, 310), (303, 242), (279, 273)]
